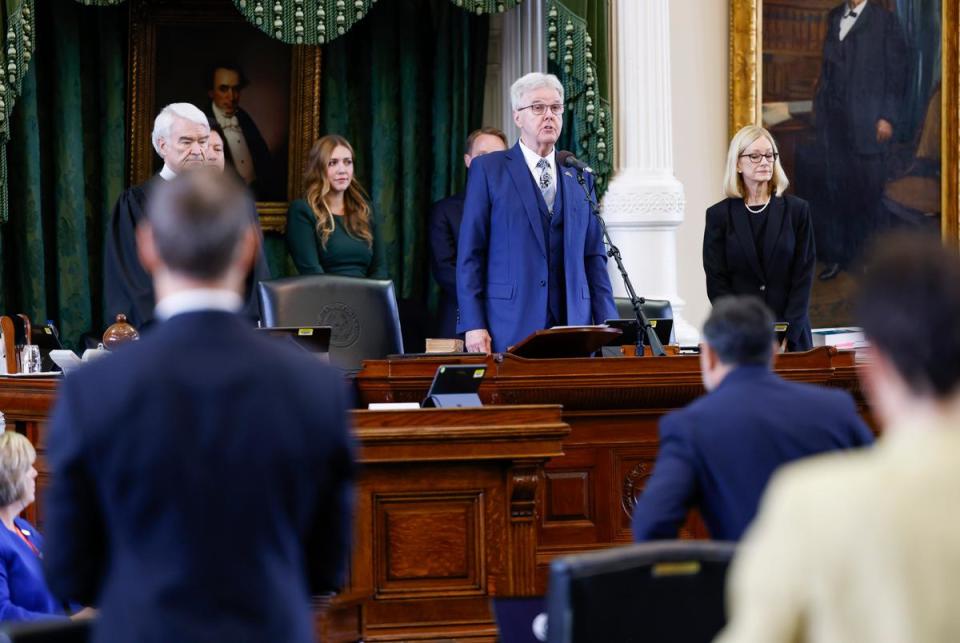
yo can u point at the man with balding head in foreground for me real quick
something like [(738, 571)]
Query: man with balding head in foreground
[(202, 476)]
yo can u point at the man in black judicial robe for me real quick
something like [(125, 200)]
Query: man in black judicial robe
[(180, 135)]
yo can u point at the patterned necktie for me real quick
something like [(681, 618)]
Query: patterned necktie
[(547, 187)]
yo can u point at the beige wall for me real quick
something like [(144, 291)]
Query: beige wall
[(699, 54)]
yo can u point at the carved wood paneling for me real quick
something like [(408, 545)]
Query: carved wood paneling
[(568, 496), (429, 544)]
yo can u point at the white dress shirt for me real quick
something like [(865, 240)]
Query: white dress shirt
[(239, 150), (532, 158), (166, 173), (847, 21), (198, 299)]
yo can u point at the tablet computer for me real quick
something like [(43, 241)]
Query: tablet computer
[(455, 386)]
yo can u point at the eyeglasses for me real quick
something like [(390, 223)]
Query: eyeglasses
[(756, 157), (541, 108)]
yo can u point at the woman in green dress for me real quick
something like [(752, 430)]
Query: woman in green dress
[(332, 230)]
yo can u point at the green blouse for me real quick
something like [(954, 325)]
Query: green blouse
[(344, 254)]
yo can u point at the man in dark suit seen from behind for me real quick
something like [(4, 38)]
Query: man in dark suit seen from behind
[(246, 151), (445, 217), (202, 477), (858, 109), (718, 453)]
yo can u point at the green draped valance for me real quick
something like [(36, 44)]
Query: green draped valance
[(317, 22)]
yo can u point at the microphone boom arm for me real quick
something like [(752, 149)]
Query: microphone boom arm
[(656, 347)]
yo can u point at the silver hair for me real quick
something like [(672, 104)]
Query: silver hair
[(529, 82), (17, 455), (164, 120)]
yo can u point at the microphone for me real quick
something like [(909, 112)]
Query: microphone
[(567, 159)]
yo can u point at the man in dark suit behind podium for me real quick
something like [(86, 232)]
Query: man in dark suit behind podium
[(531, 253), (719, 453), (445, 217), (202, 476)]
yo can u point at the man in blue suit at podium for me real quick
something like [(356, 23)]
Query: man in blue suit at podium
[(531, 253)]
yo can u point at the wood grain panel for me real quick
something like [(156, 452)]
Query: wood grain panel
[(428, 543)]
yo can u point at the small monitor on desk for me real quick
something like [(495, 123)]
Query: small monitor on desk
[(631, 327), (455, 386)]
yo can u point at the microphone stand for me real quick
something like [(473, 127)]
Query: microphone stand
[(656, 348)]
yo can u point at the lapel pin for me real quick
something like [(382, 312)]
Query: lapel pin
[(568, 174)]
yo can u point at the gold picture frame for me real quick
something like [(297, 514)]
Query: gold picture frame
[(147, 17), (746, 78)]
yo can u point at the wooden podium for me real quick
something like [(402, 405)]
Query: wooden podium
[(446, 514), (613, 406)]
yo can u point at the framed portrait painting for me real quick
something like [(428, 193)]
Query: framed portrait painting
[(261, 95), (861, 98)]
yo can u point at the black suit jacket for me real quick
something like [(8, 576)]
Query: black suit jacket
[(863, 78), (201, 485), (718, 453), (782, 277), (445, 218), (127, 288)]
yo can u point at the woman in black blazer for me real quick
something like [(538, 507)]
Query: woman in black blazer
[(759, 241)]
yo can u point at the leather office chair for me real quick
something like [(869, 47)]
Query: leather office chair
[(78, 631), (652, 308), (362, 313), (659, 591)]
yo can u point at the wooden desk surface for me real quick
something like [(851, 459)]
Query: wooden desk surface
[(613, 406)]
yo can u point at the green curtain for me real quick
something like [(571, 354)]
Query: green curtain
[(66, 167), (317, 22), (407, 106), (577, 54)]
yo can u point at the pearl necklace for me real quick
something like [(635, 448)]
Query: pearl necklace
[(752, 211)]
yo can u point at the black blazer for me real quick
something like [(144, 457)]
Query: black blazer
[(445, 218), (265, 186), (863, 78), (782, 277), (201, 485)]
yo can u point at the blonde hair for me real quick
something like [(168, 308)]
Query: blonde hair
[(17, 455), (733, 185), (356, 215)]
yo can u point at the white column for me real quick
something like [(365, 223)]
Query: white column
[(518, 45), (643, 206)]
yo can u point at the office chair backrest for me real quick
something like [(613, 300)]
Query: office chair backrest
[(362, 313), (652, 308), (78, 631), (659, 591)]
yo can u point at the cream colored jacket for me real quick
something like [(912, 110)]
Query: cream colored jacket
[(856, 547)]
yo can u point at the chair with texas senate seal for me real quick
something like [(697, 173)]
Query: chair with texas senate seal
[(362, 312)]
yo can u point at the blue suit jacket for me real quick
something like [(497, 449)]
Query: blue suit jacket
[(201, 485), (23, 592), (718, 453), (445, 218), (502, 257)]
